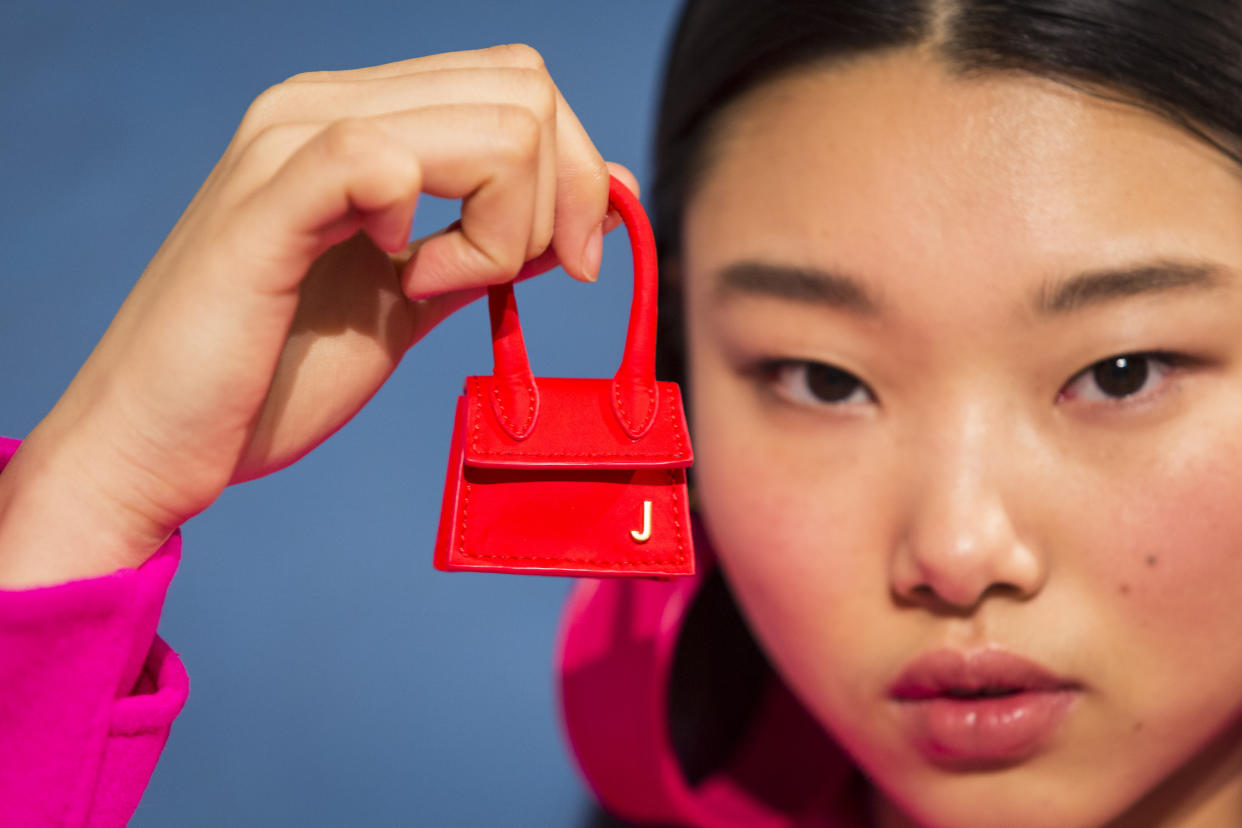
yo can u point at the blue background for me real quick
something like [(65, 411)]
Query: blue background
[(336, 678)]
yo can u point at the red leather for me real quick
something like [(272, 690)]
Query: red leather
[(561, 476), (514, 396)]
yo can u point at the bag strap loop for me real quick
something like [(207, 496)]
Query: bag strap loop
[(635, 395)]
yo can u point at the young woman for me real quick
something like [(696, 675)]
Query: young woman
[(957, 290)]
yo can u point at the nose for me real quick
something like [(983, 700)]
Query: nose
[(960, 541)]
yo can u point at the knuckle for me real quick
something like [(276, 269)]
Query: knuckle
[(539, 92), (351, 138), (264, 109), (307, 77), (495, 260), (264, 152), (267, 142), (521, 55), (504, 263), (520, 130)]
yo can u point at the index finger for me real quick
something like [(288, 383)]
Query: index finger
[(581, 200), (510, 55)]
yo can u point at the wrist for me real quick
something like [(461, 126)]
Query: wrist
[(57, 524)]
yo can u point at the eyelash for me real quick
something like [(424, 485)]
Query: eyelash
[(794, 381), (1164, 364)]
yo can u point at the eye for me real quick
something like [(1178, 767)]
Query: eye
[(1120, 377), (815, 383)]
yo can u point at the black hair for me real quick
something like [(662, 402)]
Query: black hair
[(1181, 60)]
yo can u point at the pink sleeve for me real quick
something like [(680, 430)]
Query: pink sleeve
[(87, 693)]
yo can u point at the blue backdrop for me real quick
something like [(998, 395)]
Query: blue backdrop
[(336, 678)]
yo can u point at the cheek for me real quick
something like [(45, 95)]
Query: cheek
[(799, 527), (1150, 562), (1165, 562), (782, 522)]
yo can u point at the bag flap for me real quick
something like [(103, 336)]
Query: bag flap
[(575, 427)]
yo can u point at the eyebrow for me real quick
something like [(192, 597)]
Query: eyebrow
[(1100, 286), (795, 284), (844, 292)]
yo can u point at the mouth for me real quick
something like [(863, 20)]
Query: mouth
[(982, 693), (980, 708)]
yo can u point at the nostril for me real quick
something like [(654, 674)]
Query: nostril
[(926, 596), (1005, 589), (918, 594)]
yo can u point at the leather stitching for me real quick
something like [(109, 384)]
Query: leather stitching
[(670, 412), (676, 423), (504, 416), (477, 403), (616, 395)]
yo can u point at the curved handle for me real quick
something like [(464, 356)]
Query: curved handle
[(634, 391), (515, 397)]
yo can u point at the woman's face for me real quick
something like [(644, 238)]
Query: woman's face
[(966, 377)]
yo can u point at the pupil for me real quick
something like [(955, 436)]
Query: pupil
[(1121, 376), (830, 384)]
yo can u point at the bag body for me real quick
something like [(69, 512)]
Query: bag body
[(565, 476)]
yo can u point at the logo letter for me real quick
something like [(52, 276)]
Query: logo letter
[(645, 534)]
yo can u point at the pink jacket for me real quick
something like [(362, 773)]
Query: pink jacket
[(88, 692)]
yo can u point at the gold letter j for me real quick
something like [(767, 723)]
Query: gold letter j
[(645, 534)]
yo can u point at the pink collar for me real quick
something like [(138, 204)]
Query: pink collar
[(617, 644)]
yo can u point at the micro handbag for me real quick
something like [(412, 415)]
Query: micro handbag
[(560, 476)]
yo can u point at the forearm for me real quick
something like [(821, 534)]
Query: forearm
[(57, 524)]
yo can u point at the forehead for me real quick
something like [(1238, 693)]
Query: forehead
[(892, 167)]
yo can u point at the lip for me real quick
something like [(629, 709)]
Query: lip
[(981, 707)]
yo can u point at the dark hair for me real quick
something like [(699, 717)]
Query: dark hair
[(1180, 60)]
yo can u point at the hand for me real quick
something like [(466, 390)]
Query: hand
[(286, 294)]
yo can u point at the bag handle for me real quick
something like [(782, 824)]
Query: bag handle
[(515, 397)]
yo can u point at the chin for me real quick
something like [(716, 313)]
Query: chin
[(995, 798)]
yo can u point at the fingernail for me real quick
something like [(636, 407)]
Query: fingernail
[(592, 254)]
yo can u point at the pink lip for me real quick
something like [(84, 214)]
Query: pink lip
[(986, 706)]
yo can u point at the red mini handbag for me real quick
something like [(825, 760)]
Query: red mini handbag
[(557, 476)]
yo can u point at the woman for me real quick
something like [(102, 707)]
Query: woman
[(959, 301)]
